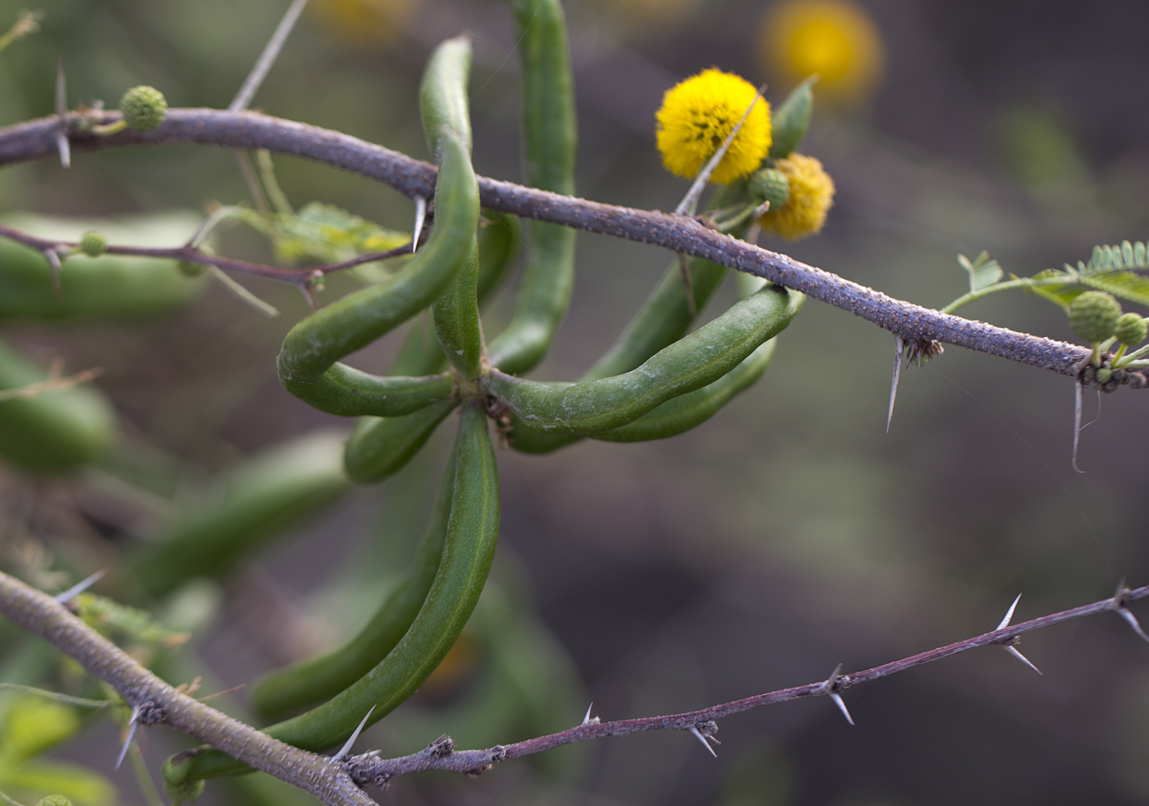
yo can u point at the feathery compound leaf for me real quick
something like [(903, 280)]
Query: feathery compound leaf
[(1117, 257), (983, 271), (1125, 285)]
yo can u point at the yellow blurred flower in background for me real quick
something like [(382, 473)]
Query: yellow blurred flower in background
[(364, 22), (699, 113), (811, 196), (834, 39)]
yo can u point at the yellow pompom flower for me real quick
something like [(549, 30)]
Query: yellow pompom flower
[(811, 195), (834, 39), (364, 22), (697, 115)]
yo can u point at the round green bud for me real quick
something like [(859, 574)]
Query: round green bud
[(189, 268), (1093, 316), (54, 800), (770, 185), (1131, 329), (143, 108), (93, 243)]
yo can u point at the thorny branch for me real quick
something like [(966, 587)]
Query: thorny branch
[(920, 328), (337, 782)]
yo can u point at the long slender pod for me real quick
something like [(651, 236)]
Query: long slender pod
[(380, 446), (469, 547), (694, 361), (550, 143), (314, 345), (52, 430), (322, 677), (256, 502)]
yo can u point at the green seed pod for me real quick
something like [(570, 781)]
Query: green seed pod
[(443, 93), (469, 546), (1093, 316), (694, 361), (143, 108), (380, 446), (671, 418), (322, 677), (107, 287), (770, 185), (258, 501), (1131, 329), (499, 241), (185, 792), (93, 243), (550, 142), (55, 430), (791, 119), (314, 345), (456, 315)]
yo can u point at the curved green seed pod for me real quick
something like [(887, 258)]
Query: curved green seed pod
[(550, 141), (443, 93), (380, 446), (694, 361), (499, 243), (314, 345), (259, 500), (107, 287), (792, 118), (322, 677), (456, 315), (54, 431), (469, 547), (348, 392)]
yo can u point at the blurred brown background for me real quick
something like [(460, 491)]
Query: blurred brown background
[(788, 534)]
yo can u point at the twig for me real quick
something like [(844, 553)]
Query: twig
[(336, 781), (919, 327), (42, 615), (440, 754), (193, 255)]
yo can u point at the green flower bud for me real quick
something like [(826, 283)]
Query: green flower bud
[(770, 185), (93, 243), (54, 800), (143, 108), (1131, 329), (1093, 316), (189, 268)]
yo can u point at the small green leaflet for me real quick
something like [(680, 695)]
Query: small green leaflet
[(983, 271), (330, 234)]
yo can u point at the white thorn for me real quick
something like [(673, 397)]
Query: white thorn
[(698, 735), (420, 217), (1008, 614), (1131, 620), (133, 726), (838, 701), (690, 200), (899, 352), (346, 749), (827, 688), (80, 587), (1078, 403), (588, 719), (1014, 651), (62, 144)]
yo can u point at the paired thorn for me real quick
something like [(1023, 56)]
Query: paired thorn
[(830, 689), (588, 719), (345, 750), (690, 201), (80, 587), (133, 726), (1011, 647), (420, 218), (1117, 604), (62, 144), (1078, 404), (899, 354), (706, 735)]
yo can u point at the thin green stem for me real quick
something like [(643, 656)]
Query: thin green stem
[(1008, 285)]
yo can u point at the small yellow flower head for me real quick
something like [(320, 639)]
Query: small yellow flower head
[(834, 39), (364, 22), (697, 115), (811, 195)]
